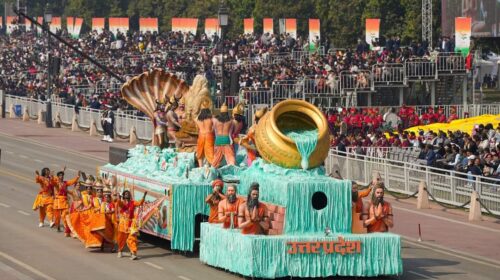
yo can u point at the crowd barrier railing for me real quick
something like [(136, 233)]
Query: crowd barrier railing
[(256, 95), (450, 63), (389, 75), (420, 69), (356, 81), (287, 89), (446, 186)]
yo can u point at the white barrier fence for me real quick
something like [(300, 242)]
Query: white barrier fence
[(446, 186), (84, 117)]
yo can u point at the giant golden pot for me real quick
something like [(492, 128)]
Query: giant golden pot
[(275, 147)]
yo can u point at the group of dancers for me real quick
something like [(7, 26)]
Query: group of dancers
[(90, 209)]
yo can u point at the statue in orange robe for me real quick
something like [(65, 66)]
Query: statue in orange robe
[(228, 208), (206, 138), (253, 217), (213, 200), (127, 223), (44, 201), (61, 206), (224, 127)]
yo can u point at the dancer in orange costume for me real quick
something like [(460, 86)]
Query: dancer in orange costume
[(44, 201), (223, 143), (205, 145), (61, 206), (127, 223), (108, 212), (213, 200)]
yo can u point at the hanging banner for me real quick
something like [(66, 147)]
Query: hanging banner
[(38, 28), (291, 27), (10, 23), (314, 34), (372, 30), (1, 22), (98, 25), (463, 30), (212, 27), (268, 26), (185, 25), (55, 24), (148, 24), (118, 24), (248, 26), (74, 26)]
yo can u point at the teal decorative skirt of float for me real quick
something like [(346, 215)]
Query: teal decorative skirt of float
[(301, 248)]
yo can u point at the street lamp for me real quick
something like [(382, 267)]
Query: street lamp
[(47, 17), (223, 22)]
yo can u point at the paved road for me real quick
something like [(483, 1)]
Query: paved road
[(27, 252)]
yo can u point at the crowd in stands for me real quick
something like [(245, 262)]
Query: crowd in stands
[(476, 153), (251, 61)]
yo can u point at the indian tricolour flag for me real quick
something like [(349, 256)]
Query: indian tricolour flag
[(291, 27), (55, 24), (185, 25), (211, 27), (372, 30), (148, 24), (314, 31), (98, 25), (10, 24), (74, 26), (463, 27), (268, 26), (118, 24), (248, 26)]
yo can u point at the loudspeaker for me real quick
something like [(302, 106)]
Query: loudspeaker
[(117, 155)]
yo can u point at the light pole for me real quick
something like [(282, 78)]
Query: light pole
[(47, 18), (223, 22)]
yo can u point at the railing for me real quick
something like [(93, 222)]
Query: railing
[(256, 95), (389, 75), (450, 63), (34, 106), (421, 70), (446, 186), (287, 89), (397, 153), (230, 101), (358, 81)]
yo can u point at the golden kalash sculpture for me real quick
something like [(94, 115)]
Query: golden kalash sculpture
[(291, 115), (157, 86)]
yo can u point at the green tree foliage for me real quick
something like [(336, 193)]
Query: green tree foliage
[(342, 22)]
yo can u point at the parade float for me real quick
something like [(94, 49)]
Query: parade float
[(311, 217)]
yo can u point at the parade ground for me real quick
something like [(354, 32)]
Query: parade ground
[(451, 247)]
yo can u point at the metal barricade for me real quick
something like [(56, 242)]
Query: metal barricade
[(230, 101), (357, 81), (450, 64), (446, 186), (389, 75), (256, 95), (64, 111), (287, 89), (421, 70)]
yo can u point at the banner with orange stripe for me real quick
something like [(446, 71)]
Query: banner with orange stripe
[(463, 32), (98, 24), (185, 25), (10, 23), (74, 26), (268, 26), (248, 26), (1, 22), (38, 28), (118, 24), (55, 24), (372, 30), (212, 27), (291, 27), (314, 33), (148, 24)]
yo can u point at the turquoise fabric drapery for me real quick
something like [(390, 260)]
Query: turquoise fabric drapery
[(294, 189), (267, 256)]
